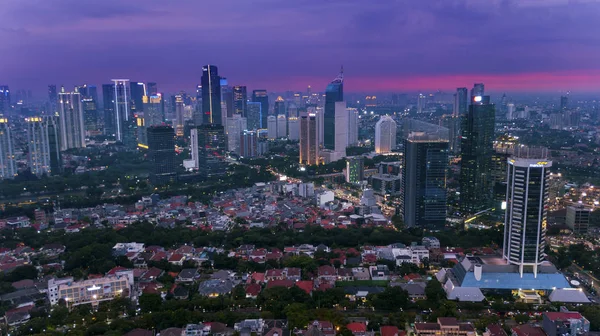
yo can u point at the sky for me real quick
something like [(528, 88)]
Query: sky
[(383, 45)]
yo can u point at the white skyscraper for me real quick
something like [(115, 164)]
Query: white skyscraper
[(510, 111), (194, 147), (385, 135), (281, 126), (272, 127), (8, 167), (70, 113), (121, 99), (38, 146), (352, 127), (293, 128), (341, 128), (236, 124), (179, 115)]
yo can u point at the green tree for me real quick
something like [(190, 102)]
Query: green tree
[(150, 302), (434, 291)]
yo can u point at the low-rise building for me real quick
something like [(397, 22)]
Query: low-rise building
[(565, 323), (91, 291), (445, 326)]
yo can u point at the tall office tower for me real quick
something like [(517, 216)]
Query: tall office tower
[(108, 104), (385, 135), (352, 127), (279, 107), (54, 142), (281, 126), (161, 152), (212, 144), (477, 148), (70, 112), (341, 129), (52, 98), (578, 218), (227, 107), (421, 102), (292, 110), (355, 169), (477, 90), (154, 110), (333, 93), (240, 100), (235, 125), (309, 140), (8, 167), (151, 89), (249, 143), (272, 127), (320, 115), (138, 91), (4, 100), (253, 112), (526, 206), (424, 180), (510, 111), (461, 102), (261, 96), (122, 112), (91, 92), (179, 119), (38, 146), (294, 128), (211, 95), (90, 113), (141, 131), (564, 102)]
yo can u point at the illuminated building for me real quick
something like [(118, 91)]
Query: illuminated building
[(8, 168), (476, 147), (52, 98), (240, 99), (121, 108), (138, 92), (70, 112), (108, 104), (293, 125), (333, 93), (281, 126), (142, 131), (90, 114), (235, 125), (227, 105), (477, 90), (341, 129), (212, 144), (370, 101), (161, 152), (526, 207), (355, 169), (38, 143), (461, 102), (92, 291), (4, 100), (309, 141), (578, 218), (272, 127), (211, 95), (253, 115), (352, 127), (279, 107), (154, 109), (421, 101), (424, 179), (249, 144), (179, 119), (385, 135)]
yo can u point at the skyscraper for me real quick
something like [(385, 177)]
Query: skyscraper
[(212, 144), (121, 108), (309, 141), (54, 141), (151, 88), (260, 96), (253, 115), (179, 119), (70, 112), (249, 144), (461, 102), (333, 93), (424, 180), (279, 107), (138, 91), (281, 126), (108, 103), (352, 127), (211, 95), (294, 128), (355, 169), (385, 135), (341, 129), (90, 114), (8, 167), (477, 90), (227, 105), (564, 102), (53, 98), (154, 110), (240, 99), (4, 100), (38, 146), (161, 152), (272, 127), (526, 206), (235, 125), (476, 147)]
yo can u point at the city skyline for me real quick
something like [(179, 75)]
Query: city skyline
[(398, 46)]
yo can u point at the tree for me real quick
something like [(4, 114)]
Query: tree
[(434, 291), (391, 299), (297, 316), (150, 302), (238, 292)]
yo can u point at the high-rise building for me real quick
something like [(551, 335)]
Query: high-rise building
[(54, 142), (70, 112), (341, 128), (281, 126), (141, 131), (38, 146), (272, 127), (352, 127), (161, 152), (8, 167), (4, 100), (212, 145), (461, 102), (385, 135), (154, 110), (261, 96), (240, 99), (249, 143), (333, 93), (52, 98), (138, 92), (179, 119), (108, 104), (510, 111), (211, 95), (355, 169), (294, 128), (477, 149), (292, 110), (88, 91), (578, 218), (235, 125), (227, 104), (421, 102), (477, 90), (526, 207), (309, 141), (122, 111), (279, 106), (151, 88), (90, 114), (253, 112), (424, 180), (564, 102)]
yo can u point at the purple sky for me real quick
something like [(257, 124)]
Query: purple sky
[(384, 45)]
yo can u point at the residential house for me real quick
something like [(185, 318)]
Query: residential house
[(379, 272), (445, 326), (357, 328), (187, 275), (327, 273), (565, 323), (527, 330), (215, 287), (361, 273)]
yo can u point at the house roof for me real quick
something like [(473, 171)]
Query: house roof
[(528, 330), (176, 257), (496, 330), (357, 327), (389, 331), (140, 332), (553, 316), (253, 289), (306, 286), (280, 283)]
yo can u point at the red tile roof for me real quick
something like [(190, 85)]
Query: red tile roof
[(357, 327), (306, 286), (553, 316), (253, 289), (280, 283), (389, 331)]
